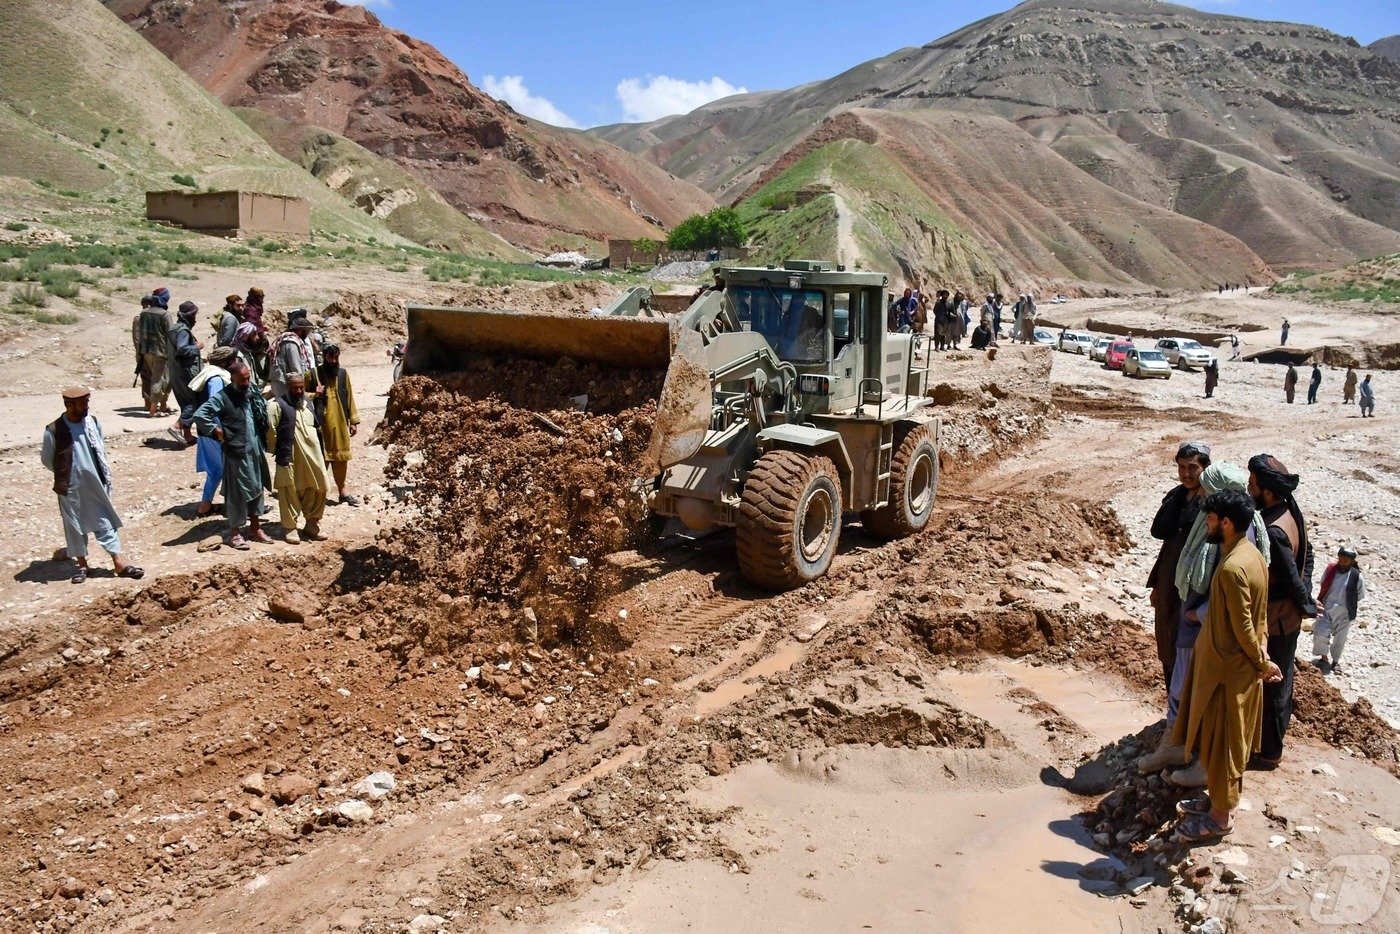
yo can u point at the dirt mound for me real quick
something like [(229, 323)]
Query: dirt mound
[(519, 501), (1320, 712), (365, 319), (375, 319)]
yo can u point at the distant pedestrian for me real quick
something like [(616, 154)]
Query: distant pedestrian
[(184, 360), (901, 315), (1290, 383), (1212, 377), (1313, 383), (1368, 398), (1234, 346), (981, 336), (292, 354), (300, 479), (962, 317), (1349, 387), (250, 346), (75, 450), (1221, 700), (208, 455), (942, 320), (339, 418), (1341, 592), (1283, 337), (152, 325), (253, 309), (1290, 592), (237, 419), (1028, 319), (920, 322), (998, 302), (230, 317)]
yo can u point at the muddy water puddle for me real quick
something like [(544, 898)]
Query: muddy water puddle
[(751, 679)]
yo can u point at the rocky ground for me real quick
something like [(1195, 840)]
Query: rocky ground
[(334, 737)]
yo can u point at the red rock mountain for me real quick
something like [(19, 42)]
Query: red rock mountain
[(322, 63)]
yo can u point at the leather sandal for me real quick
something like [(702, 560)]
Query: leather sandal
[(1198, 828), (79, 576)]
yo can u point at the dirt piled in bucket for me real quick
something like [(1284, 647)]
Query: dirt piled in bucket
[(523, 479)]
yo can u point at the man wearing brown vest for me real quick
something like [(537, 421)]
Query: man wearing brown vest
[(75, 451)]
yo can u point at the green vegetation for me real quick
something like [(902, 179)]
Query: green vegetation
[(1369, 280), (28, 294), (186, 180), (16, 225), (721, 227)]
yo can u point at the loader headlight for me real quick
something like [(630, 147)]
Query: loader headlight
[(814, 385)]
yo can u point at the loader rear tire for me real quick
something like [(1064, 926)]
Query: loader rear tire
[(913, 486), (789, 520)]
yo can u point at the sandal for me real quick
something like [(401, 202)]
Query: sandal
[(1198, 828), (1193, 806), (237, 542), (79, 576), (1260, 764), (262, 538), (132, 571)]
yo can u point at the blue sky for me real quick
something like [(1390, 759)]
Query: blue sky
[(583, 64)]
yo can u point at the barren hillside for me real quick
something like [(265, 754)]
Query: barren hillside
[(1389, 47), (1287, 136), (379, 187), (972, 200), (328, 65), (95, 117)]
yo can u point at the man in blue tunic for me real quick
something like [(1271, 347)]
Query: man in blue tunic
[(76, 452)]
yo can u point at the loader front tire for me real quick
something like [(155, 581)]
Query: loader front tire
[(789, 520), (913, 486)]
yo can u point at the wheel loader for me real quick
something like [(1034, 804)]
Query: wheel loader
[(786, 404)]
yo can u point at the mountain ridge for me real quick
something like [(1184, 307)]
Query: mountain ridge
[(325, 64), (1134, 93)]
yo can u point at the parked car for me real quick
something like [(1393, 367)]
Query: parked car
[(1113, 357), (1058, 300), (1043, 336), (1184, 352), (1075, 342), (1100, 347), (1146, 363)]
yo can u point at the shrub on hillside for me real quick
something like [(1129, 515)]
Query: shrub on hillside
[(719, 228), (182, 179), (28, 294)]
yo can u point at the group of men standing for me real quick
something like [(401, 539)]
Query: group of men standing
[(246, 396), (1230, 589), (1350, 388), (951, 316)]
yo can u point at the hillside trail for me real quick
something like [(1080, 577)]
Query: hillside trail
[(848, 251)]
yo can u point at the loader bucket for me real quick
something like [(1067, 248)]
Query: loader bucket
[(442, 338)]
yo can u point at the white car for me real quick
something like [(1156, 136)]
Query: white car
[(1184, 353), (1043, 336), (1099, 352), (1075, 342), (1146, 363)]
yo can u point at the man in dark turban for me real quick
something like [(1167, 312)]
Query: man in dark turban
[(1290, 592)]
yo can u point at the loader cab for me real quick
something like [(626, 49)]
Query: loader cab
[(827, 322)]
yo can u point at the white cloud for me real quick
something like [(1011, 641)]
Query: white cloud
[(512, 90), (380, 4), (660, 96)]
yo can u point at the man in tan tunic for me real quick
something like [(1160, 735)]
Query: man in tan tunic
[(300, 480), (1222, 699)]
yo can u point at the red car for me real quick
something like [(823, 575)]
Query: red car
[(1113, 357)]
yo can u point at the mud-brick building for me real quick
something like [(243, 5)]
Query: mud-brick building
[(231, 213)]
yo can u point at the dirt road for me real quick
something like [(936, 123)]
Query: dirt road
[(888, 747)]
